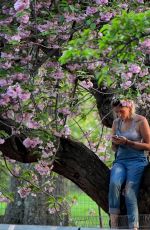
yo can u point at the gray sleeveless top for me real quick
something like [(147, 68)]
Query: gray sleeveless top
[(124, 151)]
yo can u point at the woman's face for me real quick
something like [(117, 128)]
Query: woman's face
[(123, 112)]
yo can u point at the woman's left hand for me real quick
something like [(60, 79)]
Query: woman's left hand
[(120, 140)]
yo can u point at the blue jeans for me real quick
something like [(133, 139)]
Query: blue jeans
[(129, 171)]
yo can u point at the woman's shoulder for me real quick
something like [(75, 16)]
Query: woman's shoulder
[(139, 118)]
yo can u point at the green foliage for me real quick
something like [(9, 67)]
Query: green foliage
[(124, 31), (118, 48)]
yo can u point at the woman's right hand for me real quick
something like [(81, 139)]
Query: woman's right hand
[(115, 139)]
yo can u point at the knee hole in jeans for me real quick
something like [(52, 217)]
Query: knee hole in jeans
[(129, 188)]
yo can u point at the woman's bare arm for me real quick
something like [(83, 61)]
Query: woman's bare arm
[(145, 133)]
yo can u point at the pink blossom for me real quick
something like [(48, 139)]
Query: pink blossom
[(23, 33), (3, 82), (102, 149), (6, 65), (74, 67), (145, 46), (32, 124), (42, 168), (101, 2), (140, 1), (32, 143), (126, 84), (124, 6), (143, 73), (86, 84), (24, 96), (67, 131), (6, 21), (5, 99), (126, 76), (106, 16), (64, 111), (20, 77), (47, 154), (16, 171), (2, 141), (16, 38), (7, 55), (69, 17), (91, 10), (126, 103), (108, 137), (24, 19), (58, 75), (41, 106), (24, 192), (71, 78), (11, 92), (16, 91), (134, 68), (21, 5), (10, 114), (105, 158), (11, 160)]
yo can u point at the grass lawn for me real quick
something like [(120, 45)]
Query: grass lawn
[(2, 208), (84, 211)]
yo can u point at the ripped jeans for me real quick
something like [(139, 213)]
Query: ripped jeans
[(130, 172)]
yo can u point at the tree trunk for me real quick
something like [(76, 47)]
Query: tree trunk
[(33, 210)]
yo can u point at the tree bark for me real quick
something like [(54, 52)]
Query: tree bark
[(79, 164), (33, 210)]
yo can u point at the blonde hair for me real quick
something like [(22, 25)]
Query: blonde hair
[(129, 104), (124, 103)]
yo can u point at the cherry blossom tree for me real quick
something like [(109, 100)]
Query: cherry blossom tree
[(55, 56)]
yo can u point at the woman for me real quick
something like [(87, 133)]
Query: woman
[(131, 136)]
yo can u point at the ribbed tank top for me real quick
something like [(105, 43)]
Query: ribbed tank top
[(124, 151)]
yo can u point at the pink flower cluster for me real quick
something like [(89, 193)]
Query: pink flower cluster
[(66, 131), (134, 68), (145, 46), (24, 192), (106, 16), (26, 119), (91, 10), (126, 76), (32, 143), (101, 2), (43, 168), (47, 26), (2, 141), (126, 103), (15, 91), (49, 150), (21, 5), (24, 19), (64, 111), (58, 74), (126, 84), (86, 84)]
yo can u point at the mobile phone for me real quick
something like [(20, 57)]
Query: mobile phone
[(115, 136)]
